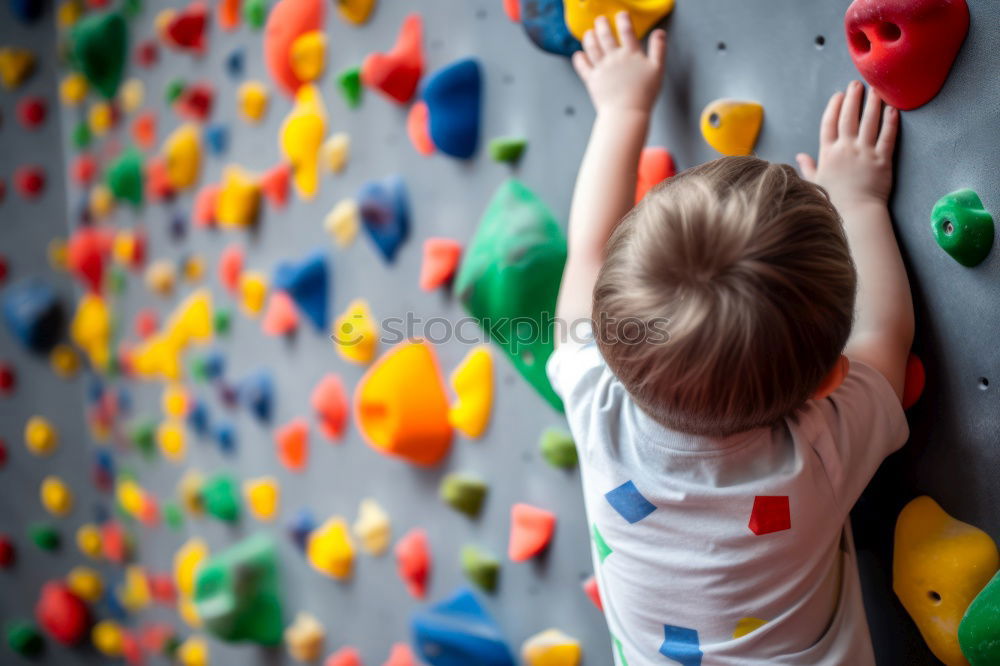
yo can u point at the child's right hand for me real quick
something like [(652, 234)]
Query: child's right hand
[(855, 158)]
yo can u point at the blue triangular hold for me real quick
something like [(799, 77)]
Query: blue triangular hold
[(545, 23), (33, 314), (385, 213), (256, 393), (458, 632), (27, 11), (453, 95), (217, 138), (307, 282), (300, 527)]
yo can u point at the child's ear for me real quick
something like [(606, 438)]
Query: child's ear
[(833, 379)]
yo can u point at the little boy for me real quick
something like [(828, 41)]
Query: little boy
[(735, 398)]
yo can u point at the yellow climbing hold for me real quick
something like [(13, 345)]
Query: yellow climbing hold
[(57, 252), (40, 436), (939, 565), (172, 440), (189, 491), (174, 401), (86, 583), (336, 151), (551, 648), (64, 361), (252, 98), (253, 292), (131, 95), (194, 268), (373, 528), (90, 329), (581, 14), (134, 593), (187, 559), (239, 199), (355, 11), (304, 638), (73, 89), (182, 156), (747, 625), (354, 333), (130, 496), (301, 137), (160, 277), (191, 321), (262, 496), (330, 550), (472, 381), (108, 638), (88, 540), (731, 126), (343, 222), (193, 652), (56, 496), (100, 117), (16, 65), (308, 56), (101, 201)]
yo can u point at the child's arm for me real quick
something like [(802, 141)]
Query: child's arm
[(623, 83), (855, 167)]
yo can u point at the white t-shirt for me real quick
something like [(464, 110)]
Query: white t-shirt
[(696, 540)]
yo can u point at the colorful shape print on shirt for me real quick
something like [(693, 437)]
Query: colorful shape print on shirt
[(747, 625), (681, 644), (770, 514), (629, 502), (603, 549)]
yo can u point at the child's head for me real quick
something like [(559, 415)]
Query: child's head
[(746, 267)]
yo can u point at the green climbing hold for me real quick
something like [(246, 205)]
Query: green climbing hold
[(237, 593), (979, 631), (44, 536), (603, 549), (124, 177), (481, 568), (507, 148), (222, 320), (174, 89), (255, 13), (221, 498), (963, 227), (82, 135), (558, 448), (25, 639), (173, 516), (132, 8), (117, 279), (142, 434), (510, 276), (99, 50), (349, 82), (464, 493)]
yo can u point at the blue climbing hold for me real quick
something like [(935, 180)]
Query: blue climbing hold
[(453, 96), (123, 400), (681, 644), (197, 417), (178, 226), (32, 312), (27, 11), (307, 282), (385, 213), (213, 364), (457, 632), (301, 526), (629, 502), (217, 138), (104, 469), (545, 23), (95, 389), (256, 393), (225, 437), (234, 63)]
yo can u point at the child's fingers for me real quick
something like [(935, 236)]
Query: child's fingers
[(626, 33), (850, 111), (657, 48), (887, 137), (807, 165), (592, 47), (828, 124), (581, 64), (605, 37), (868, 131)]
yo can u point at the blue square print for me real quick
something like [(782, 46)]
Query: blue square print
[(681, 644), (629, 502)]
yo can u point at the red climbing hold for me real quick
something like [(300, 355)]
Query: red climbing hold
[(146, 323), (655, 165), (29, 181), (512, 8), (158, 187), (132, 649), (329, 401), (397, 73), (204, 206), (8, 553), (905, 48), (770, 514), (292, 440), (287, 21), (913, 386), (401, 655), (441, 257), (413, 561), (281, 316), (31, 112), (86, 255), (531, 530), (418, 128), (147, 53), (114, 541), (345, 656), (7, 381), (231, 267), (195, 102), (162, 588), (144, 130), (593, 593), (274, 184), (186, 30), (84, 169), (3, 267), (62, 614)]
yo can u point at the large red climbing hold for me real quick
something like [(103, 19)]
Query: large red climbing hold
[(397, 73), (287, 21), (905, 48), (770, 514), (913, 386), (186, 30), (62, 614), (86, 256)]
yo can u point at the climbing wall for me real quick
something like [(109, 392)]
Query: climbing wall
[(785, 56)]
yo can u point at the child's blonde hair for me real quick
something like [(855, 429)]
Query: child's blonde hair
[(746, 267)]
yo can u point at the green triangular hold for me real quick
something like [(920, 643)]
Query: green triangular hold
[(99, 50), (255, 13), (558, 448), (173, 89), (349, 82), (124, 177), (25, 639), (44, 536), (509, 279), (222, 321), (142, 434), (603, 549), (979, 631), (507, 148), (173, 516), (221, 498), (464, 493), (81, 136), (480, 567)]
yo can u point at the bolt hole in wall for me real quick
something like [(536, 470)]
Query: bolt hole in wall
[(721, 46), (820, 41), (984, 383), (934, 597)]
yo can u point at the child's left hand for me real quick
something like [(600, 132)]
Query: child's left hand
[(621, 76)]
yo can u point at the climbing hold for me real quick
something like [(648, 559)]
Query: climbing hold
[(301, 138), (280, 317), (463, 493), (481, 568), (655, 165), (287, 22), (345, 656), (124, 177), (544, 22), (64, 361), (441, 257), (16, 66), (453, 96), (131, 95), (400, 655), (349, 83), (304, 637), (33, 314), (274, 184), (342, 222), (531, 531), (193, 652), (939, 566), (174, 401), (237, 593), (301, 527), (116, 542), (558, 448), (44, 536), (963, 227), (160, 277), (56, 496), (188, 558), (205, 204), (256, 393), (308, 56), (354, 333), (507, 148), (905, 50), (329, 402), (24, 639), (397, 73), (262, 497), (413, 561), (336, 151), (40, 436), (593, 592), (108, 638), (979, 633), (220, 498), (144, 130), (88, 540), (186, 28), (306, 281), (85, 583), (235, 62), (31, 112), (913, 385), (385, 213), (147, 53), (329, 549), (8, 378), (27, 11), (412, 425), (372, 527), (731, 126), (231, 267), (511, 273), (29, 181), (62, 614), (292, 443), (182, 154), (418, 128), (512, 8), (238, 200), (73, 89), (355, 11), (195, 102), (252, 98), (580, 16), (101, 117), (747, 625), (99, 49), (255, 13), (459, 631), (8, 553), (86, 255), (173, 90), (472, 382), (172, 440), (228, 13), (551, 648)]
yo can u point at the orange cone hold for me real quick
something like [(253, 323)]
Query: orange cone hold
[(275, 184), (329, 401), (287, 21), (513, 10), (229, 14), (531, 530), (281, 317), (204, 205), (418, 128), (441, 257), (401, 407), (231, 267), (413, 561), (292, 440), (655, 165)]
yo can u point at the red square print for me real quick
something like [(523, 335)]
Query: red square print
[(770, 514)]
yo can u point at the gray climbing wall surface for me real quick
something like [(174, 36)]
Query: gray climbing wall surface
[(782, 53)]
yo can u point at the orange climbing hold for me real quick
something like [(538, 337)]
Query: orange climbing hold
[(205, 203), (441, 257), (229, 14), (413, 561), (281, 316), (512, 8), (655, 165), (418, 128), (593, 592), (144, 130), (292, 440), (287, 21), (231, 267), (401, 406), (397, 73), (329, 401), (401, 655), (274, 184), (531, 531)]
